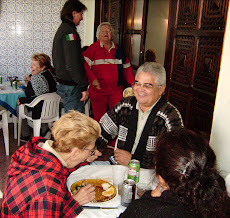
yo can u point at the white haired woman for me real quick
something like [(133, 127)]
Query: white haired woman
[(106, 68)]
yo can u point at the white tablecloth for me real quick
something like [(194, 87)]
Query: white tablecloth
[(106, 172)]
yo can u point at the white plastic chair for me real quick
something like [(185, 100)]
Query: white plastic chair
[(87, 107), (4, 127), (49, 114), (13, 119), (128, 92)]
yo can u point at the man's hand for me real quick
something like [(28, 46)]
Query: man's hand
[(85, 194), (85, 95), (96, 84), (18, 102), (94, 157), (122, 157)]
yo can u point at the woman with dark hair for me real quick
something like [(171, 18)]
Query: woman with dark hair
[(189, 185)]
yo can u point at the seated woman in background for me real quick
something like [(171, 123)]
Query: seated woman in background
[(40, 82), (36, 178), (189, 185)]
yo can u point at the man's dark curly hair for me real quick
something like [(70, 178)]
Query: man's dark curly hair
[(187, 163)]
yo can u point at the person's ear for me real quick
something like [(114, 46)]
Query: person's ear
[(162, 89), (73, 13), (163, 183), (43, 68), (161, 180), (74, 153)]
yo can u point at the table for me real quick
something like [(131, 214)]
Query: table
[(108, 173), (9, 97), (8, 100)]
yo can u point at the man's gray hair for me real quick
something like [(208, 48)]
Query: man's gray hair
[(99, 29), (156, 69)]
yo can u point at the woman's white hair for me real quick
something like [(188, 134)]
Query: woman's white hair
[(99, 29), (156, 69)]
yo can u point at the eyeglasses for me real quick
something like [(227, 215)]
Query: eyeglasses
[(146, 86), (92, 152)]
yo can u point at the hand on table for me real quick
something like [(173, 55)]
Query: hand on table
[(122, 157), (96, 84), (85, 194), (18, 102), (85, 95), (94, 157)]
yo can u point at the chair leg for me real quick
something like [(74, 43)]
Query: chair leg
[(19, 129), (87, 107), (15, 126), (37, 127), (6, 132)]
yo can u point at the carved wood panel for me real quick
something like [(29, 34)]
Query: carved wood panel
[(193, 55), (208, 64), (214, 14), (201, 113), (178, 96), (183, 59), (188, 13)]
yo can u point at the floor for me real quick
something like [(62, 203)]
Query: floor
[(5, 160)]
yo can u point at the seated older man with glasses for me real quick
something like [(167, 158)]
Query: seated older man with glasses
[(137, 120)]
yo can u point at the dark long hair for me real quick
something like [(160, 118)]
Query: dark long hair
[(69, 7), (187, 163)]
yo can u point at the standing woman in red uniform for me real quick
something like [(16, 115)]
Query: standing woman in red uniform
[(106, 68)]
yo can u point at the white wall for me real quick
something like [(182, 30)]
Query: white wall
[(28, 27), (157, 25), (220, 136), (89, 22)]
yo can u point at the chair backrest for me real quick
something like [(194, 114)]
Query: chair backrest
[(128, 92), (50, 108)]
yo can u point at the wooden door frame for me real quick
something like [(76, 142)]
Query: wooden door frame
[(99, 17)]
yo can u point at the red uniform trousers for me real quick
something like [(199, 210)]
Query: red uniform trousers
[(101, 99)]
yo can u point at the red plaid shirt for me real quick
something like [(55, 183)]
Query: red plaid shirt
[(36, 185)]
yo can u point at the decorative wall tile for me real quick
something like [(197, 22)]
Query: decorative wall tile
[(27, 27)]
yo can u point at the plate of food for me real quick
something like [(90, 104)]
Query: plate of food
[(104, 190)]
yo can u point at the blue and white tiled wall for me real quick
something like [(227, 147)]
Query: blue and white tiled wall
[(27, 27)]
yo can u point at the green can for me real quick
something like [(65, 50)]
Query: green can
[(0, 80), (134, 170), (15, 85)]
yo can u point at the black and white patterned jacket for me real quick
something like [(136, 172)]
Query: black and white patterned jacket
[(121, 122)]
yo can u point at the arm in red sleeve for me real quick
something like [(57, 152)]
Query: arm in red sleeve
[(53, 207), (128, 73), (88, 55)]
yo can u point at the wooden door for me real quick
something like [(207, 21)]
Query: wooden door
[(193, 54), (128, 18), (135, 30)]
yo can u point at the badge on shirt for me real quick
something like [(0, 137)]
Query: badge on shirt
[(70, 37)]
